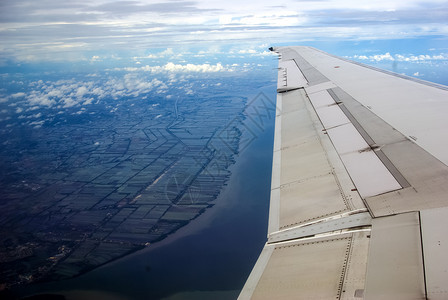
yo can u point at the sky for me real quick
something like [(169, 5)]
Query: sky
[(97, 30), (154, 45)]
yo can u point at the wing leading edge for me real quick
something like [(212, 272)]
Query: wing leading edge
[(359, 185)]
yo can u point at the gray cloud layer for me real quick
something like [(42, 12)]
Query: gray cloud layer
[(51, 29)]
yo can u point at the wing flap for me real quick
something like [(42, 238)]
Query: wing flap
[(435, 244), (395, 269), (369, 174), (319, 268), (311, 180)]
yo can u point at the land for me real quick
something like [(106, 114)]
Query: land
[(88, 189)]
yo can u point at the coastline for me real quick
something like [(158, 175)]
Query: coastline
[(218, 225)]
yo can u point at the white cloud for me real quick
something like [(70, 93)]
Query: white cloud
[(401, 57), (81, 91), (95, 58), (72, 93), (38, 99), (193, 68), (163, 54), (267, 53), (362, 57), (135, 85), (225, 19), (99, 92), (17, 95), (248, 51), (381, 57), (167, 52), (254, 51), (422, 57), (37, 124), (88, 101), (172, 67)]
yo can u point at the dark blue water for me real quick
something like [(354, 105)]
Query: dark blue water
[(209, 258)]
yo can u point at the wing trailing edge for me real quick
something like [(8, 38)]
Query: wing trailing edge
[(359, 184)]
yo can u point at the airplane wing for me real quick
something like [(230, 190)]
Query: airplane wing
[(359, 192)]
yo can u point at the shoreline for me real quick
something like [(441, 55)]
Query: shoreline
[(222, 211)]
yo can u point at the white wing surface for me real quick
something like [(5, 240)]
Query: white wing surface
[(359, 193)]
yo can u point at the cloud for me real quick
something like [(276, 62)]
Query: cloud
[(36, 116), (377, 57), (284, 18), (17, 95), (37, 124), (136, 7), (163, 54), (248, 51), (254, 52), (422, 57), (68, 102), (36, 98), (95, 58), (401, 57), (71, 93), (172, 67), (81, 91), (51, 30)]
